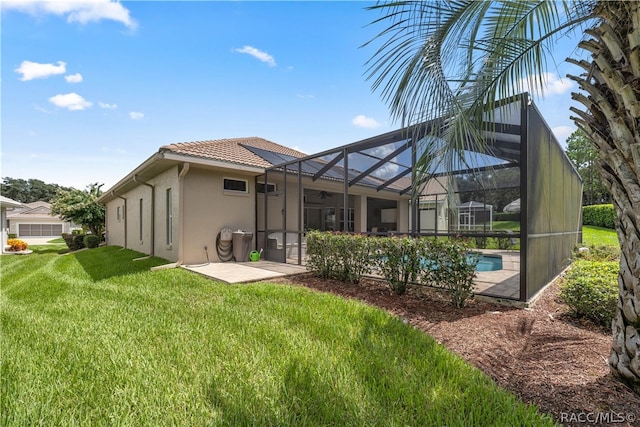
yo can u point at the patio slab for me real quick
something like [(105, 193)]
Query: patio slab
[(244, 272)]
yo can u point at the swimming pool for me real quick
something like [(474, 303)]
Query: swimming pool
[(486, 262)]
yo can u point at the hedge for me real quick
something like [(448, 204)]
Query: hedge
[(74, 241), (590, 289), (401, 261), (599, 216)]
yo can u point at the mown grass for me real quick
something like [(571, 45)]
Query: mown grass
[(590, 235), (599, 236), (94, 338)]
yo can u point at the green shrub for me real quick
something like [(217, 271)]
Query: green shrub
[(481, 242), (506, 216), (398, 261), (91, 241), (600, 253), (12, 236), (505, 242), (77, 231), (590, 289), (599, 216), (74, 241), (338, 256), (451, 266), (401, 261), (319, 256)]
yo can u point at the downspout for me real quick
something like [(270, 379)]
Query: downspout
[(124, 214), (181, 221), (153, 212)]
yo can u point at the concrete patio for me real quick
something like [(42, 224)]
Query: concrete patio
[(244, 272)]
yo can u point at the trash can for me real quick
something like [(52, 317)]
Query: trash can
[(242, 245)]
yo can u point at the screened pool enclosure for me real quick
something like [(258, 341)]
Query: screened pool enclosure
[(371, 187)]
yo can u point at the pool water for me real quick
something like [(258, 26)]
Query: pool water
[(487, 262)]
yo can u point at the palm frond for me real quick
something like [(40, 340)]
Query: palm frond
[(446, 64)]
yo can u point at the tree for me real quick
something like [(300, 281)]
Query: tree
[(27, 191), (81, 207), (584, 156), (450, 61)]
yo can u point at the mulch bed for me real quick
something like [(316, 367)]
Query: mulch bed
[(541, 354)]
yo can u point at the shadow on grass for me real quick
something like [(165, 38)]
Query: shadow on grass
[(110, 261)]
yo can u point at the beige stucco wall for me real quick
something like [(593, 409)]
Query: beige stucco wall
[(115, 227), (130, 217), (208, 209), (164, 181)]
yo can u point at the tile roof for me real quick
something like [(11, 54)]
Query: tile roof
[(34, 210), (231, 150)]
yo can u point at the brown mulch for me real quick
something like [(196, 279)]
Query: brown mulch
[(541, 354)]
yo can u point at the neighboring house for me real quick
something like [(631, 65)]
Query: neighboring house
[(6, 204), (176, 202), (36, 220)]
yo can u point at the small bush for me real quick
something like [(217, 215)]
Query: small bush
[(91, 241), (599, 216), (590, 289), (12, 236), (599, 253), (77, 231), (398, 261), (505, 242), (453, 268), (74, 241), (338, 256), (16, 245), (480, 242)]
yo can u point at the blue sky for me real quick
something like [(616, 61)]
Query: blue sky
[(90, 89)]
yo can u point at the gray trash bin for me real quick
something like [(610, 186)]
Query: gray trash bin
[(242, 245)]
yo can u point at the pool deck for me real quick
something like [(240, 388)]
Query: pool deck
[(503, 283)]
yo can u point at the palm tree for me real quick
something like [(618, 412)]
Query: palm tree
[(451, 60)]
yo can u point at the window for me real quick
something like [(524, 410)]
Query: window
[(271, 188), (237, 185), (118, 215), (140, 220), (169, 217)]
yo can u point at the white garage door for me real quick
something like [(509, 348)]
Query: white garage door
[(37, 230)]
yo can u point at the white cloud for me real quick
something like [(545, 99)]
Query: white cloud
[(34, 70), (553, 85), (258, 54), (136, 115), (70, 101), (107, 106), (389, 169), (81, 11), (365, 122), (562, 133), (73, 78)]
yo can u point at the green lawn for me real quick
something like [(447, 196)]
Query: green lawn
[(590, 235), (599, 236), (94, 338)]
